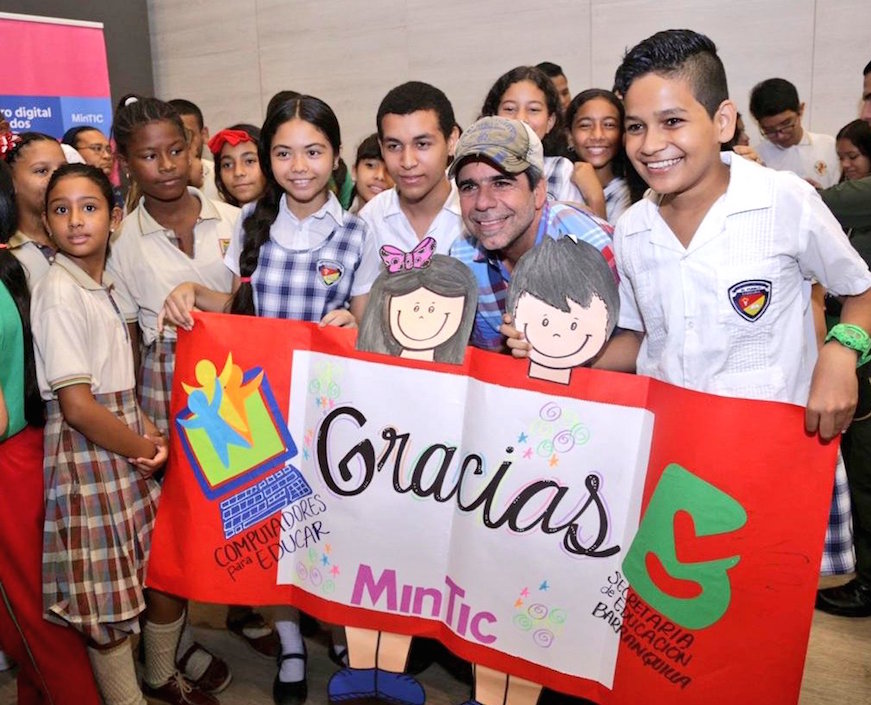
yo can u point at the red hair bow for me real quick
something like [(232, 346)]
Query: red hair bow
[(231, 137), (8, 140)]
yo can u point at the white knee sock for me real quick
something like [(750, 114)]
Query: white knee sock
[(293, 669), (115, 674), (161, 641)]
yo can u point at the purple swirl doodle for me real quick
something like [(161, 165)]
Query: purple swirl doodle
[(564, 441), (543, 638), (550, 411), (301, 570), (537, 611), (316, 577)]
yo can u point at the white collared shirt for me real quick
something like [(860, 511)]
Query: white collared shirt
[(763, 241), (147, 264), (814, 157), (390, 225)]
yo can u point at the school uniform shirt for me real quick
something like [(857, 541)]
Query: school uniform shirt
[(730, 314), (814, 157), (390, 225), (559, 171), (147, 264), (557, 220), (79, 333), (35, 258), (311, 266)]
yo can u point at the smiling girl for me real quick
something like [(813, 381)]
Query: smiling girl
[(594, 122), (526, 93), (296, 254)]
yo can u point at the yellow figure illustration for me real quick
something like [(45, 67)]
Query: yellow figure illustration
[(233, 392)]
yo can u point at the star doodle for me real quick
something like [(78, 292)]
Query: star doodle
[(522, 438), (524, 592), (305, 454), (554, 461), (325, 559), (519, 603), (527, 453), (334, 570), (328, 548), (544, 586)]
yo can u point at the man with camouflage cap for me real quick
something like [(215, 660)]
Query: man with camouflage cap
[(499, 166)]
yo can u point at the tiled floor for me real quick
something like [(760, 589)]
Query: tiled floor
[(837, 670)]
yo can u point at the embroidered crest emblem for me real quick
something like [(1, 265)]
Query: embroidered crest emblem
[(223, 244), (330, 271), (820, 167), (750, 298)]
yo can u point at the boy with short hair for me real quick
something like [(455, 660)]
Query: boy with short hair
[(715, 262), (557, 75), (417, 132), (787, 145), (192, 117)]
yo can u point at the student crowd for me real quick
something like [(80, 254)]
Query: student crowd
[(109, 242)]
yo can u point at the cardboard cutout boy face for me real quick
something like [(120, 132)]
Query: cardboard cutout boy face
[(564, 300), (561, 339)]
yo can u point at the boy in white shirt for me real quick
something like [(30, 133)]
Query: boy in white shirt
[(788, 146), (417, 132)]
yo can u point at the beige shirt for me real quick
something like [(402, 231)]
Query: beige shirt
[(79, 334), (147, 264), (29, 254)]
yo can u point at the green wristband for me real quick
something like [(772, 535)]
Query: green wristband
[(852, 337)]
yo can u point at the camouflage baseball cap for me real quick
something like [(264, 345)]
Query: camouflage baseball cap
[(510, 145)]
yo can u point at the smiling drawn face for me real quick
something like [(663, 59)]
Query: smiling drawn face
[(423, 320), (562, 339)]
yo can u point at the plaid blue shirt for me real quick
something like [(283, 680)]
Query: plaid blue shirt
[(557, 220)]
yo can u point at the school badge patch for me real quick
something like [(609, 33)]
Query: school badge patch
[(750, 298), (330, 271)]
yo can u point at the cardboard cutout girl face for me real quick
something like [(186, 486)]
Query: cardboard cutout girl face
[(423, 320), (421, 306)]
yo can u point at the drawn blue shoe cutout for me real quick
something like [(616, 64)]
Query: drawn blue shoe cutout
[(352, 683), (399, 688)]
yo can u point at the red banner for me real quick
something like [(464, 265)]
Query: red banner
[(713, 510)]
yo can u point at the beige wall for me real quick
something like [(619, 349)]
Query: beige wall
[(230, 56)]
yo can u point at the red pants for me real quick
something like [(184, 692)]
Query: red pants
[(53, 661)]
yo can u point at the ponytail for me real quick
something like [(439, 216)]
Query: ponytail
[(255, 232)]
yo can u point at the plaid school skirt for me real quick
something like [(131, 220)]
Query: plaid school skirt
[(99, 514), (155, 382), (838, 556)]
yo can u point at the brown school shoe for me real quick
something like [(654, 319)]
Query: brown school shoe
[(178, 690), (215, 678), (266, 643)]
